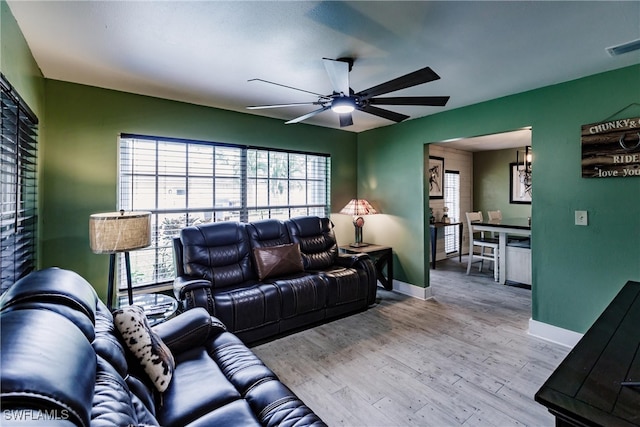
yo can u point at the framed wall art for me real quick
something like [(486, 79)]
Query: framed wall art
[(436, 177), (519, 184)]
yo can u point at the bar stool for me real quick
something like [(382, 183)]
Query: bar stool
[(483, 243)]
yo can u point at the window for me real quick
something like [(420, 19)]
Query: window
[(452, 202), (18, 187), (192, 182), (283, 184)]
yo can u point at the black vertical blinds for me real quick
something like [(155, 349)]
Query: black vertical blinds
[(18, 187)]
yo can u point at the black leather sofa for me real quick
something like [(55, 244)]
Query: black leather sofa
[(63, 364), (216, 268)]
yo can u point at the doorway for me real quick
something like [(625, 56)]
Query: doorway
[(481, 165)]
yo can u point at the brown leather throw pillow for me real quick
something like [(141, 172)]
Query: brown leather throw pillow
[(278, 260)]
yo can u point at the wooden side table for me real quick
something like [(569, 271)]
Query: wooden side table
[(382, 258), (598, 383)]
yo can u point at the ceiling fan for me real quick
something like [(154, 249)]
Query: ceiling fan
[(344, 100)]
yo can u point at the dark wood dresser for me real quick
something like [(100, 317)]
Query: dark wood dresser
[(598, 383)]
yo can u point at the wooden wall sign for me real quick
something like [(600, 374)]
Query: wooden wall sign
[(611, 149)]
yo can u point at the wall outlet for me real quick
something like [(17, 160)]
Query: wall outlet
[(582, 218)]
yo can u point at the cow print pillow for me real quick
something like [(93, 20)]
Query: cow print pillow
[(147, 347)]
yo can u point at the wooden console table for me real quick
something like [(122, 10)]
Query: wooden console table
[(434, 238), (382, 257), (598, 383)]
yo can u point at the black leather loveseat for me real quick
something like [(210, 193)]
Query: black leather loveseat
[(268, 277), (64, 364)]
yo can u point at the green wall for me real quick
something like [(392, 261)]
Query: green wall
[(576, 270), (491, 184), (17, 63), (80, 164), (22, 72)]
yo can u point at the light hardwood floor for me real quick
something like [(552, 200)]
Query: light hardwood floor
[(460, 358)]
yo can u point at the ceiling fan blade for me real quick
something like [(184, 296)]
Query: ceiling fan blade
[(385, 114), (345, 119), (418, 77), (338, 72), (293, 104), (436, 101), (288, 87), (308, 115)]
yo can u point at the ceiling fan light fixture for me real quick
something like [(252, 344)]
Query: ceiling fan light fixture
[(343, 105)]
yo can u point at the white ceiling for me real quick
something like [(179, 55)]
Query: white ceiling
[(497, 141), (204, 52)]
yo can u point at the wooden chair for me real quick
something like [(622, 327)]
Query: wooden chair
[(494, 215), (483, 243)]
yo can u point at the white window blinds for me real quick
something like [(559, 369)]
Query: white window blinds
[(452, 201)]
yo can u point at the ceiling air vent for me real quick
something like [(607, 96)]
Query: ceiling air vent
[(624, 48)]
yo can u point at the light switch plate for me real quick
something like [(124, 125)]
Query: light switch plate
[(582, 218)]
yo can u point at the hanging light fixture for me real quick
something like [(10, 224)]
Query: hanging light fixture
[(524, 173)]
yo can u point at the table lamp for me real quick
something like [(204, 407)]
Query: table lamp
[(119, 232), (357, 208)]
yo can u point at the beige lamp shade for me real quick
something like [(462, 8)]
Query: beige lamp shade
[(357, 207), (122, 231)]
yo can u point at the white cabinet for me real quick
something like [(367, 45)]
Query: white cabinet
[(518, 268)]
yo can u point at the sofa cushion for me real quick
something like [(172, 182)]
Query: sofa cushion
[(267, 232), (302, 294), (244, 307), (146, 345), (218, 252), (199, 387), (62, 291), (113, 402), (317, 241), (278, 260)]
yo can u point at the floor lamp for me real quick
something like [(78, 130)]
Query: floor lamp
[(119, 232), (357, 208)]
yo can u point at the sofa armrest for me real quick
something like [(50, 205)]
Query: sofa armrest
[(189, 329), (184, 284), (351, 260), (192, 293), (42, 372), (364, 263)]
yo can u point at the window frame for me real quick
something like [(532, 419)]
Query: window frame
[(451, 234), (240, 207)]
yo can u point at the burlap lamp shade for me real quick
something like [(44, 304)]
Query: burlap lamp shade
[(116, 232), (122, 231)]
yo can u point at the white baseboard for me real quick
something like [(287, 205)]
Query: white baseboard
[(411, 290), (554, 334)]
